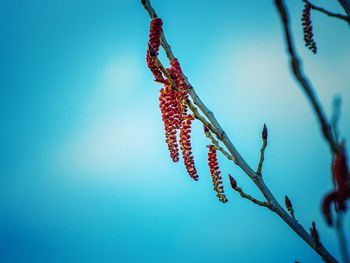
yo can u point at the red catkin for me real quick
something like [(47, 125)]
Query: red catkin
[(326, 207), (186, 147), (166, 105), (153, 47), (179, 79), (342, 187), (341, 175), (307, 28), (215, 174)]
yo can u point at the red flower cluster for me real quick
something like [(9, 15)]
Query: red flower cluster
[(186, 147), (307, 28), (170, 118), (179, 79), (172, 103), (342, 187), (215, 174), (153, 47)]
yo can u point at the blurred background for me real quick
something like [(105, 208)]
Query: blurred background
[(85, 173)]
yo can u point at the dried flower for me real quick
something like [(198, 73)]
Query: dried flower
[(186, 147), (307, 28), (215, 174)]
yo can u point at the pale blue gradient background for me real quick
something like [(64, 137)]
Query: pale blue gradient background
[(85, 173)]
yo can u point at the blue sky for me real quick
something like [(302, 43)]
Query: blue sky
[(86, 176)]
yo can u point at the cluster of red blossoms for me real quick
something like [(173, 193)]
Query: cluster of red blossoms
[(342, 187), (172, 101), (307, 28), (215, 174), (173, 107), (153, 47)]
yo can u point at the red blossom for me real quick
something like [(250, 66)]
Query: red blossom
[(307, 28), (215, 174), (326, 207), (153, 47), (342, 187), (179, 79), (341, 175), (169, 117), (186, 147)]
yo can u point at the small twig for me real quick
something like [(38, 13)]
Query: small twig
[(289, 206), (346, 6), (328, 13), (262, 151), (216, 143), (247, 196), (314, 233)]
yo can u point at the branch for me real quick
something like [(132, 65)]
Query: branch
[(262, 151), (346, 6), (328, 13), (216, 144), (302, 79), (239, 160), (246, 196)]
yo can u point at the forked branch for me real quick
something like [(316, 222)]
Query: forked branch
[(328, 13)]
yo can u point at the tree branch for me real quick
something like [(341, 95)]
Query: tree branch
[(346, 6), (247, 196), (328, 13), (302, 79), (262, 151), (239, 160)]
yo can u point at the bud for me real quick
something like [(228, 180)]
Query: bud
[(264, 132), (288, 203), (232, 181)]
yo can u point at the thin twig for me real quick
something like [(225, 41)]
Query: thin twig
[(239, 160), (346, 6), (217, 145), (262, 151), (247, 196), (328, 13)]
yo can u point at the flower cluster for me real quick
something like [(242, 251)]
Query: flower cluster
[(186, 148), (342, 187), (215, 174), (153, 47), (173, 99), (307, 28), (170, 119), (182, 88)]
